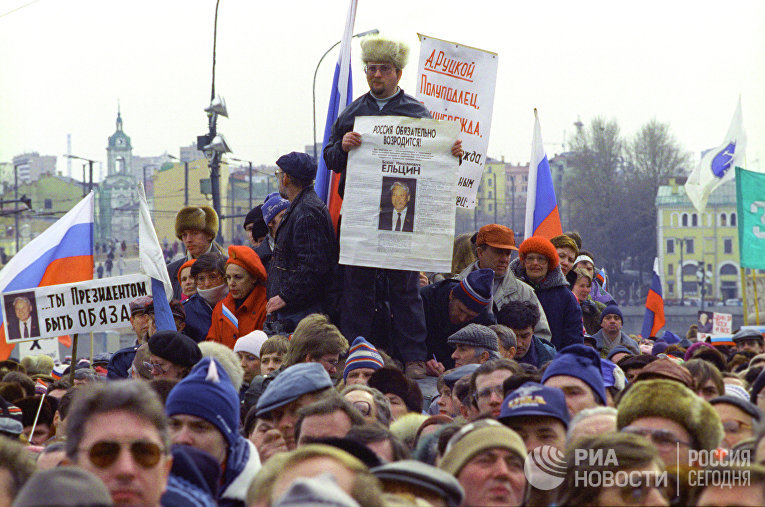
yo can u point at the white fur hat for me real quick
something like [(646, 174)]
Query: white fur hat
[(375, 48)]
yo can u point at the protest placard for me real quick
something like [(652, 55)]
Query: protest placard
[(42, 346), (457, 82), (398, 211), (56, 310), (723, 323)]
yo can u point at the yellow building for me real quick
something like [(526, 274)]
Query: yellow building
[(491, 196), (688, 240), (170, 193)]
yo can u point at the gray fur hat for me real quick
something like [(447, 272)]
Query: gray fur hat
[(375, 48)]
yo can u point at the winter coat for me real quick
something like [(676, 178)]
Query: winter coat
[(435, 302), (198, 317), (542, 352), (400, 104), (304, 261), (562, 309), (229, 323), (242, 465), (604, 346), (512, 289)]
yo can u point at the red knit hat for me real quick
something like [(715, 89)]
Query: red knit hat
[(185, 265), (540, 245), (246, 258)]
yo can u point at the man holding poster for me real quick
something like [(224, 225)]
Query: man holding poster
[(384, 60)]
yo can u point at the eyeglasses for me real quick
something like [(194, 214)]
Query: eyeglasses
[(372, 69), (539, 259), (278, 172), (486, 392), (662, 439), (329, 362), (636, 494), (105, 453), (735, 427), (155, 366), (363, 407)]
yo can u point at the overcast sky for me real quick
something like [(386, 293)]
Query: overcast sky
[(64, 65)]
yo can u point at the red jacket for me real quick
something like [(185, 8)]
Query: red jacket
[(250, 316)]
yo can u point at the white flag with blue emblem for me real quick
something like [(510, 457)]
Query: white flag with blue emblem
[(718, 165)]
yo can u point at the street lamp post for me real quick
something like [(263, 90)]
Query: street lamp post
[(90, 165), (185, 178), (249, 163), (315, 72)]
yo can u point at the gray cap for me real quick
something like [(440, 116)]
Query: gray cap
[(747, 334), (291, 384), (475, 335), (66, 486), (744, 405), (424, 476)]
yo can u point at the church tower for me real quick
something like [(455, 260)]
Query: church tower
[(119, 152)]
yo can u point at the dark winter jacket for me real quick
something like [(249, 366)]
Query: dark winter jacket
[(564, 315), (305, 254), (400, 104), (435, 301), (198, 317), (539, 353), (265, 253)]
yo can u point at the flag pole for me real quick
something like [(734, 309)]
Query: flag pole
[(91, 349), (74, 358), (756, 298), (34, 424), (743, 296)]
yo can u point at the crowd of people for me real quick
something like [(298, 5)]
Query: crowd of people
[(292, 380)]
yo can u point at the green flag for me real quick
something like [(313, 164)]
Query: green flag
[(750, 198)]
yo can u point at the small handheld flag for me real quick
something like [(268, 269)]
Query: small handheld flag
[(654, 305)]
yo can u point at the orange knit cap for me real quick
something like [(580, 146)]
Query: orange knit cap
[(185, 265), (540, 245), (246, 258)]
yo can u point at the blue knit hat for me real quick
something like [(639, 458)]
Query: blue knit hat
[(207, 392), (362, 354), (670, 337), (611, 310), (475, 289), (582, 362), (299, 165), (536, 400), (273, 206), (291, 384)]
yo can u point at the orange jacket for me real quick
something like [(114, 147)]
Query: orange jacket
[(250, 316)]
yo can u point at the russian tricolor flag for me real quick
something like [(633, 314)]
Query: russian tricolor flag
[(63, 253), (342, 95), (542, 217), (654, 305)]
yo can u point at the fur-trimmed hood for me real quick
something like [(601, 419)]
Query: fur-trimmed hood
[(553, 279)]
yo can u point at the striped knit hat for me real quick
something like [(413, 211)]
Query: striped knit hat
[(475, 289), (362, 354)]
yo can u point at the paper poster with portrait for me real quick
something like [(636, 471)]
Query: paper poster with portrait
[(705, 322), (21, 322), (79, 307), (399, 206)]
